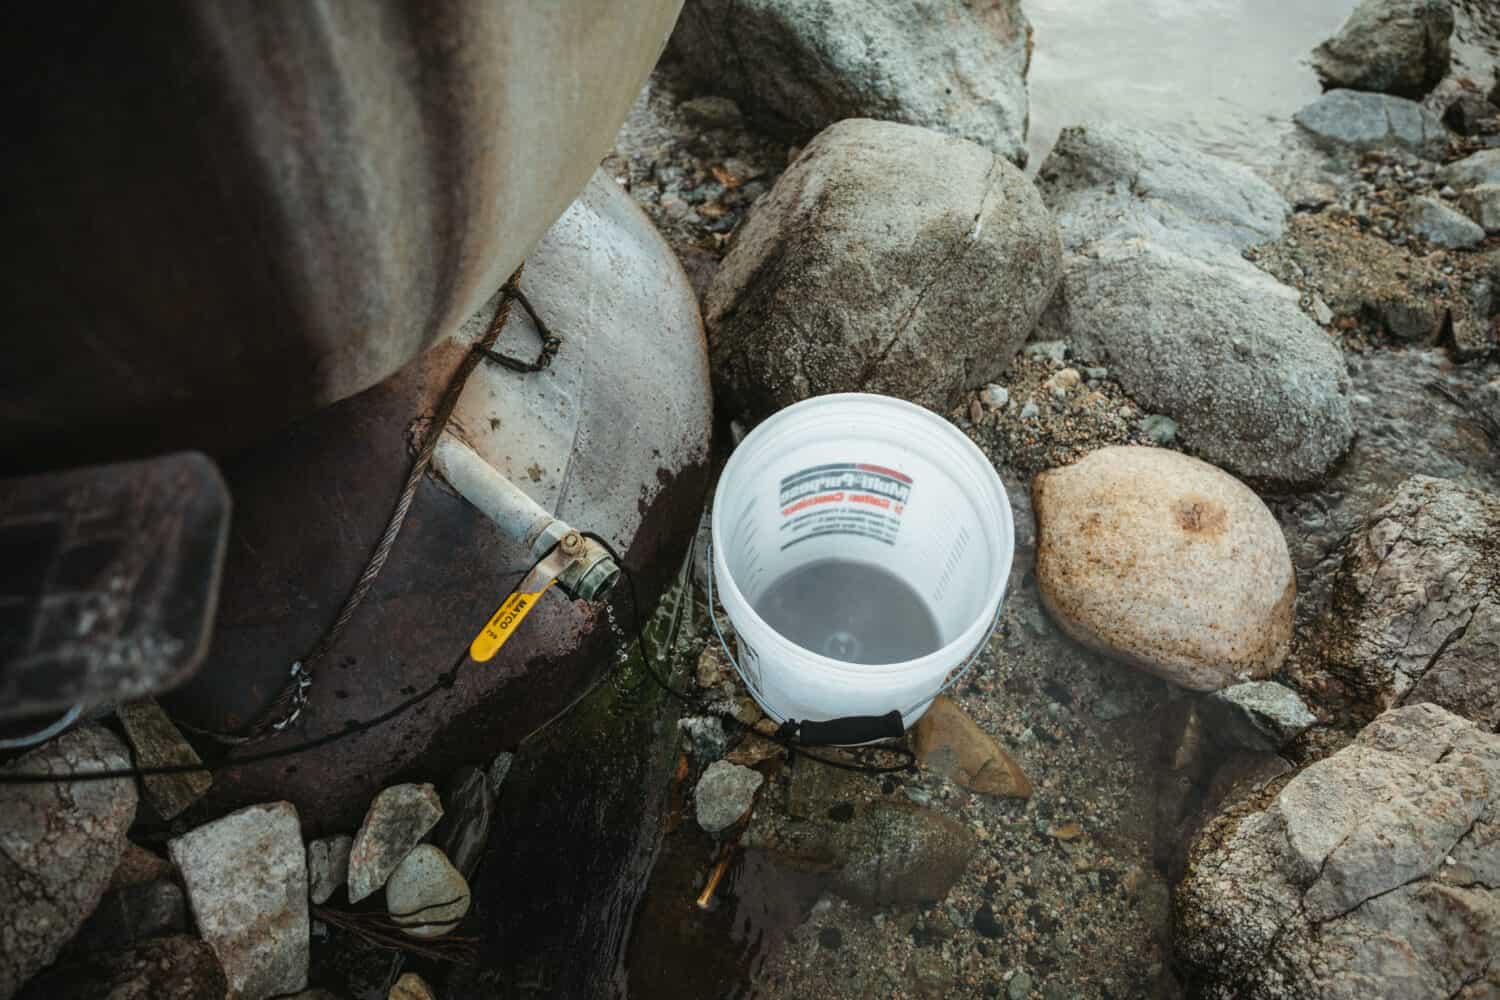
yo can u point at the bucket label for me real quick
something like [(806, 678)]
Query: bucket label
[(844, 498)]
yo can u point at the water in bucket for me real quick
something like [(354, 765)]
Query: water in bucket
[(852, 611)]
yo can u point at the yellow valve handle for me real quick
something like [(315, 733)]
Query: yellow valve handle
[(504, 622)]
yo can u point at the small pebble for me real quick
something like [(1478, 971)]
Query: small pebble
[(1029, 410)]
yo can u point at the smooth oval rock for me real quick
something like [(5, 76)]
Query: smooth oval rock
[(427, 892), (1166, 563), (886, 259), (59, 846), (397, 820)]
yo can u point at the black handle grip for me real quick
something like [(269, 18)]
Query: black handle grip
[(851, 730)]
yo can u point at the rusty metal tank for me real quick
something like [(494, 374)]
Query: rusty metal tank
[(222, 216), (613, 438)]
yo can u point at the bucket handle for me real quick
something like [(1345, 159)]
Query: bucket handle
[(850, 730)]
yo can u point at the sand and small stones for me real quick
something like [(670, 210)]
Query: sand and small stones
[(1165, 562)]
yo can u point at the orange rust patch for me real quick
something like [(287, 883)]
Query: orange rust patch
[(1202, 516)]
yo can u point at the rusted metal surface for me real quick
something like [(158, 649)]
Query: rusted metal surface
[(311, 504), (109, 580), (222, 216)]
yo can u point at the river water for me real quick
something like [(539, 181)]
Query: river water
[(1225, 75)]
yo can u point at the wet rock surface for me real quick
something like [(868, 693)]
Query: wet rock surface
[(1371, 870), (1416, 608), (167, 968), (886, 259), (246, 878), (1167, 563), (949, 65), (1389, 46), (724, 795), (952, 744), (398, 819), (59, 846), (1259, 715), (468, 807)]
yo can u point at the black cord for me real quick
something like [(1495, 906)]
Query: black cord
[(446, 680), (909, 759)]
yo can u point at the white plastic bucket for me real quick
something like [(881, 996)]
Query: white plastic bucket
[(872, 479)]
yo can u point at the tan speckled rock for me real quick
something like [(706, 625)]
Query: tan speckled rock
[(1167, 563)]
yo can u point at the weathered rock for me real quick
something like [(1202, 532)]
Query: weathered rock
[(896, 852), (1167, 563), (1372, 873), (246, 878), (724, 794), (1390, 46), (1471, 114), (411, 987), (886, 259), (397, 820), (59, 846), (1257, 715), (1438, 224), (464, 830), (1482, 204), (132, 914), (705, 737), (949, 742), (139, 865), (427, 893), (1217, 345), (1104, 180), (1416, 608), (158, 743), (949, 65), (167, 968), (1482, 167), (327, 866), (1352, 121)]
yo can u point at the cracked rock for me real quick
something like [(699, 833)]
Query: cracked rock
[(1416, 608), (59, 846), (949, 65), (398, 819), (246, 878), (1374, 872), (886, 259)]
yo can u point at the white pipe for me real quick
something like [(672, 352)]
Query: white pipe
[(499, 499)]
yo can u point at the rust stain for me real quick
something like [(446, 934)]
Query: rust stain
[(1202, 516)]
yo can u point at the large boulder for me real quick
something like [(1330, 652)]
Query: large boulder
[(949, 65), (1104, 180), (1372, 873), (1416, 608), (1350, 121), (1390, 46), (886, 259), (1219, 346), (1167, 563), (59, 846), (246, 878)]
